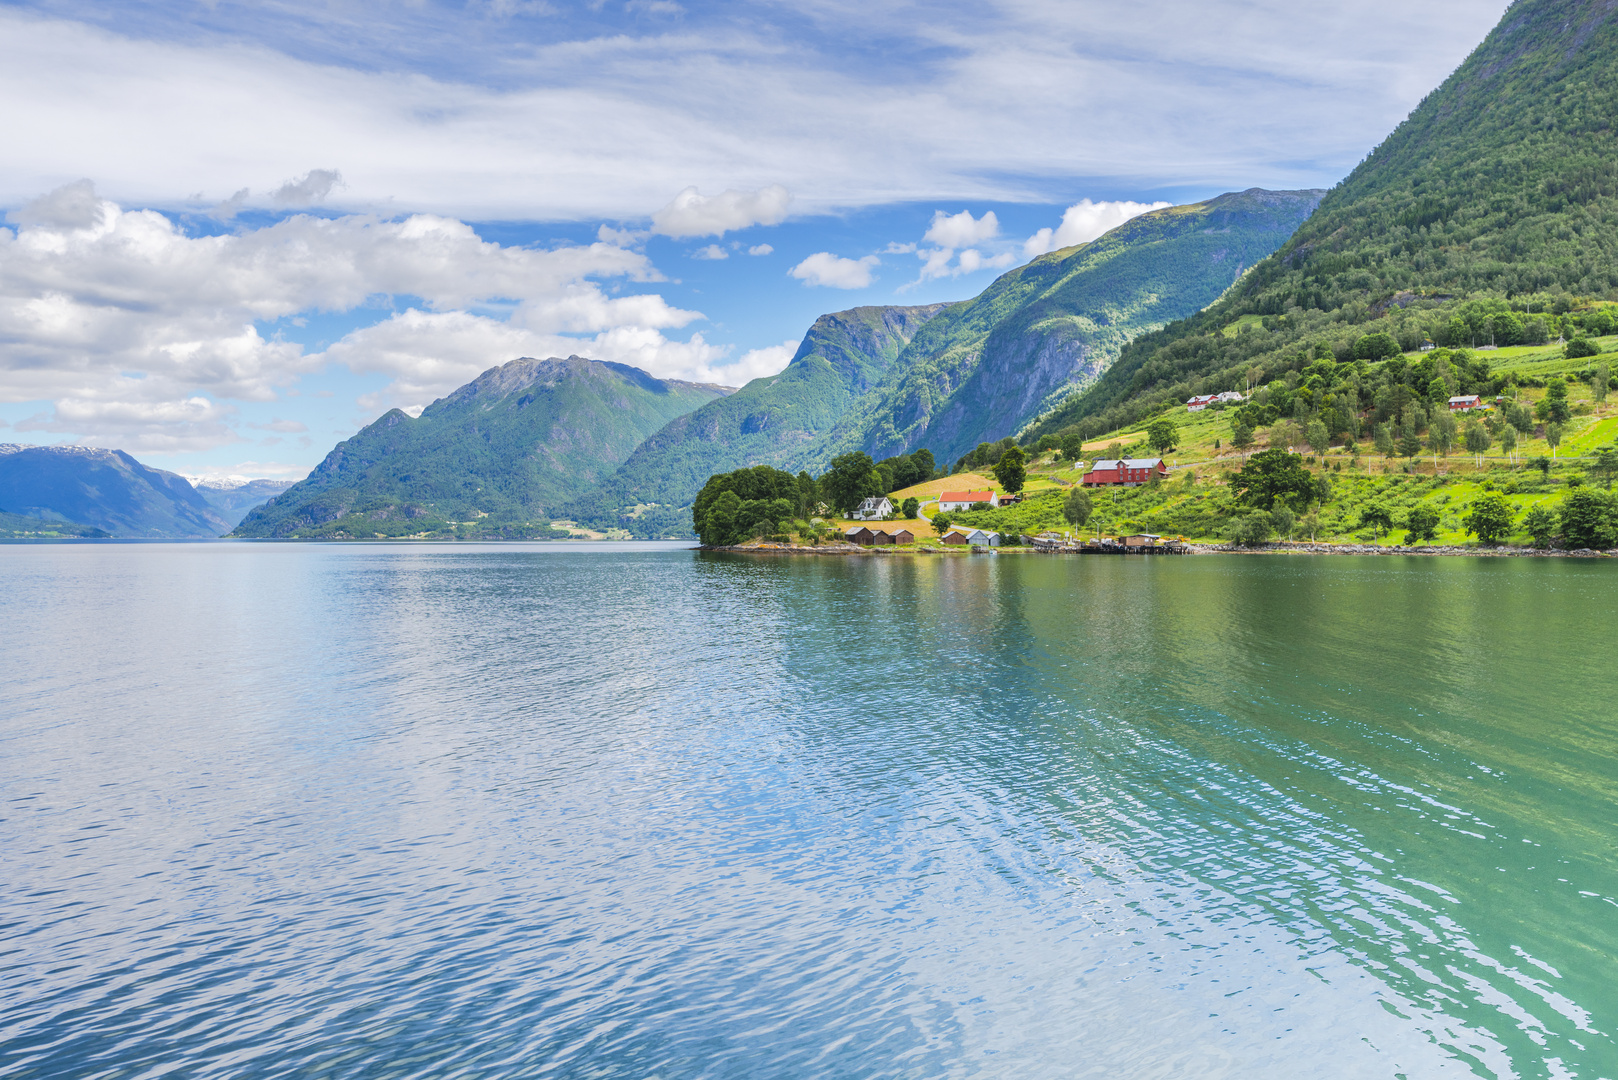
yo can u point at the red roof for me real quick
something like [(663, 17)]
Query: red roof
[(966, 496)]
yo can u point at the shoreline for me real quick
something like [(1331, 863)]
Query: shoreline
[(1295, 548)]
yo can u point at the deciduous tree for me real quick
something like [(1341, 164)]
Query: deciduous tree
[(1490, 519)]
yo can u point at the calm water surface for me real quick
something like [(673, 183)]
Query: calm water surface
[(532, 811)]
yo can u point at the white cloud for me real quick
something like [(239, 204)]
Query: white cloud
[(961, 230), (761, 249), (154, 427), (824, 268), (712, 251), (756, 364), (285, 427), (692, 214), (132, 327), (1083, 222), (950, 232)]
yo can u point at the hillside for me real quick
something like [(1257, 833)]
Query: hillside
[(103, 489), (1496, 200), (18, 527), (778, 420), (496, 458)]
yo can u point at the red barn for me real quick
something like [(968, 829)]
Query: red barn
[(1129, 472)]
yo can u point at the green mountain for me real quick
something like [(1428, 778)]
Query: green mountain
[(779, 420), (985, 368), (1496, 199), (496, 458), (78, 486)]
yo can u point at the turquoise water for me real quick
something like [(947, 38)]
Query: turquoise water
[(633, 811)]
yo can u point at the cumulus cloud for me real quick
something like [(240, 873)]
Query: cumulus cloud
[(312, 188), (712, 251), (693, 214), (949, 233), (961, 230), (756, 364), (135, 328), (284, 427), (761, 249), (1083, 222), (833, 271)]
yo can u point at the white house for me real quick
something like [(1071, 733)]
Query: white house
[(873, 509), (965, 500), (1202, 401)]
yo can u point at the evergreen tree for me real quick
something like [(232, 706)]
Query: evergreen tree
[(1012, 470)]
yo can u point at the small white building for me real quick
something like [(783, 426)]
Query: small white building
[(965, 500), (873, 509)]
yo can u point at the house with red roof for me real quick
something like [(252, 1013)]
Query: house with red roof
[(1128, 472), (965, 500)]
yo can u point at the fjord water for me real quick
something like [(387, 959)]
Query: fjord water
[(635, 811)]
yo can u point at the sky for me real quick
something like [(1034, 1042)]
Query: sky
[(236, 233)]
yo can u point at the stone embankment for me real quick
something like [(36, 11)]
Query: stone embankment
[(1381, 549)]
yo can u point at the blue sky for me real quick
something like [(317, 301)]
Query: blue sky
[(236, 232)]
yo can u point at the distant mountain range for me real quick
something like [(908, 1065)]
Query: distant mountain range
[(103, 489), (233, 497)]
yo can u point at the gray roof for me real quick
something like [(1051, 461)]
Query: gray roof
[(1128, 463)]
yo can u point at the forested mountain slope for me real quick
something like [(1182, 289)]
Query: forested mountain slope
[(1500, 188), (983, 369), (497, 457)]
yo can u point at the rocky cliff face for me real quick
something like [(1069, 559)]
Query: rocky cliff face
[(985, 368)]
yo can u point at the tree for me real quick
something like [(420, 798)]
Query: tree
[(1600, 382), (1241, 432), (1553, 438), (1508, 441), (1606, 464), (1077, 507), (1441, 435), (1012, 470), (925, 467), (1589, 519), (1283, 520), (1378, 518), (1580, 347), (1540, 525), (716, 527), (911, 507), (1409, 442), (851, 479), (1422, 523), (1553, 406), (1310, 523), (1376, 347), (1276, 474), (1477, 441), (1543, 464), (1319, 437), (1384, 441), (1072, 446), (1047, 443), (1250, 530), (1490, 519), (941, 523), (1163, 435)]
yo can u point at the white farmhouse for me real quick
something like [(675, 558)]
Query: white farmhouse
[(874, 509)]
